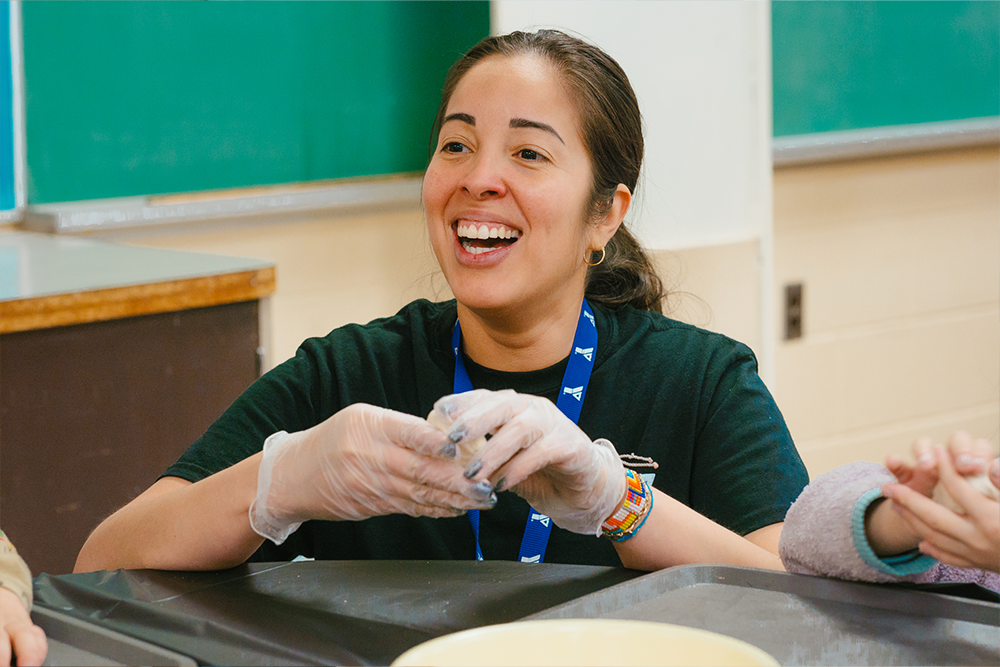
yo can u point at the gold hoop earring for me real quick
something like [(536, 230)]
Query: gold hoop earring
[(603, 255)]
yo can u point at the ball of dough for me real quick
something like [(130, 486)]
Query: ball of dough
[(466, 449), (980, 483)]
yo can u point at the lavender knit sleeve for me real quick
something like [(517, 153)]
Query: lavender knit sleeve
[(824, 534), (824, 529)]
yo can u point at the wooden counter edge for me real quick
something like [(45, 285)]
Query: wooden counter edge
[(129, 301)]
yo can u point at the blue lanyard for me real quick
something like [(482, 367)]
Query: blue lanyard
[(570, 402)]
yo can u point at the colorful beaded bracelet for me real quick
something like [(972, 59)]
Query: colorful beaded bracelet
[(624, 523)]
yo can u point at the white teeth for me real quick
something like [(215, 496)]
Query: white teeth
[(473, 231), (477, 250)]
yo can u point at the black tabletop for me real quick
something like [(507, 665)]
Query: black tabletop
[(804, 620), (329, 612), (369, 612)]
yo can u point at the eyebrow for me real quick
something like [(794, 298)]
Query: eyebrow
[(514, 123), (464, 117), (524, 122)]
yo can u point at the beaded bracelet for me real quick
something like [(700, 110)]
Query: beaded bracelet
[(628, 518)]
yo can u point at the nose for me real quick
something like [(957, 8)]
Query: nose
[(485, 177)]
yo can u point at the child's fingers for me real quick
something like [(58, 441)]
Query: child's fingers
[(922, 476), (970, 500), (922, 453), (901, 470), (925, 516), (968, 454), (945, 556), (943, 540)]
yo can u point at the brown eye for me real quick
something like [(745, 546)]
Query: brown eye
[(453, 147), (528, 154)]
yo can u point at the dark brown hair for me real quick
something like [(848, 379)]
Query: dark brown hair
[(612, 133)]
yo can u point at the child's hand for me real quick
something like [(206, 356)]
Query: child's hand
[(18, 633), (921, 476), (968, 536)]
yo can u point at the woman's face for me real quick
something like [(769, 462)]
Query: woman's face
[(506, 191)]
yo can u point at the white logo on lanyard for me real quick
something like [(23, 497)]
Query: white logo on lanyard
[(578, 369)]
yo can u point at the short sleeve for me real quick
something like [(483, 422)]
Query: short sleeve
[(291, 397), (746, 472)]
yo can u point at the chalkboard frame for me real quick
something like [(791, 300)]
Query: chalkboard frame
[(8, 161)]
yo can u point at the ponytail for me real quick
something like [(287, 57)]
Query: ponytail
[(626, 277)]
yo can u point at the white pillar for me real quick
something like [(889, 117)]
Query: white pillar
[(702, 73)]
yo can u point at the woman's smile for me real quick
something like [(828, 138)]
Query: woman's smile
[(482, 238)]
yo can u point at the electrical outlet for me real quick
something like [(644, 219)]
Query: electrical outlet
[(793, 311)]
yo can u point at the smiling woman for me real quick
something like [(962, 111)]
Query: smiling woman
[(554, 346), (504, 167)]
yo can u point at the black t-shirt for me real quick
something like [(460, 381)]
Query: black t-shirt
[(688, 398)]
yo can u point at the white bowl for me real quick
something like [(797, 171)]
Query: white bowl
[(585, 642)]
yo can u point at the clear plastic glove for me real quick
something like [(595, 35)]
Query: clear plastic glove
[(363, 461), (539, 454)]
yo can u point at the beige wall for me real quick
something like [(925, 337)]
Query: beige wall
[(900, 261), (715, 287), (333, 269)]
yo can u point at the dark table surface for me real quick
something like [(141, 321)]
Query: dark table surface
[(323, 612), (369, 612)]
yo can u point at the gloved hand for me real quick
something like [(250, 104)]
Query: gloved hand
[(539, 454), (361, 462)]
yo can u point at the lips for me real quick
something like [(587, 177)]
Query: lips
[(478, 238)]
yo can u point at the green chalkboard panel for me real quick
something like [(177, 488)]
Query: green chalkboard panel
[(851, 65), (140, 98)]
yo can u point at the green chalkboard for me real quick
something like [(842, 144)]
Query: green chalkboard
[(140, 98), (851, 65)]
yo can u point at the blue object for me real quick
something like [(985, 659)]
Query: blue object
[(912, 562), (570, 403)]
